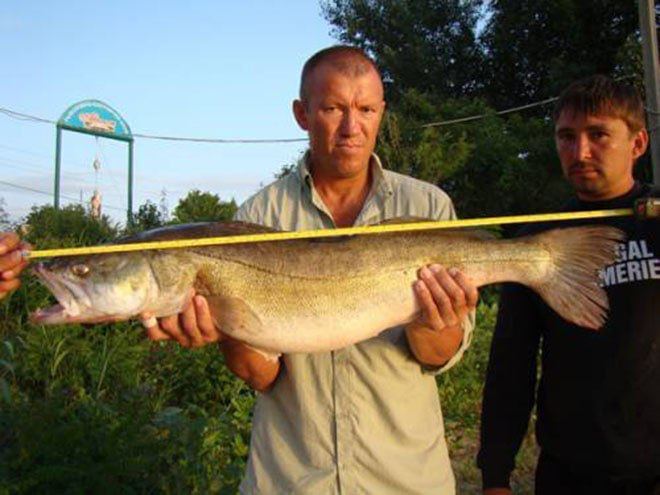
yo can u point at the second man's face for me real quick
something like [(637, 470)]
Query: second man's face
[(597, 153), (342, 116)]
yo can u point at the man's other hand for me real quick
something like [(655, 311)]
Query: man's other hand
[(446, 297), (12, 262), (193, 327)]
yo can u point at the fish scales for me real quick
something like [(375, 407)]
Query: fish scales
[(314, 295)]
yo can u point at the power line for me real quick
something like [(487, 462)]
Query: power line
[(27, 152), (27, 117), (38, 191), (484, 115), (221, 141), (24, 116), (35, 167)]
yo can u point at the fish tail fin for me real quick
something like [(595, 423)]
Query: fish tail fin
[(571, 286)]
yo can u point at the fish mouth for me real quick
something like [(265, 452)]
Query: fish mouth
[(73, 307)]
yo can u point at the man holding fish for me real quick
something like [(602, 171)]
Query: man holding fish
[(364, 419)]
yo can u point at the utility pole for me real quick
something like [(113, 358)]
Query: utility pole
[(648, 30)]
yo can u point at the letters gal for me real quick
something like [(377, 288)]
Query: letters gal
[(635, 261)]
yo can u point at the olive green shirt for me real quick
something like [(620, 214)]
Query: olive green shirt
[(363, 419)]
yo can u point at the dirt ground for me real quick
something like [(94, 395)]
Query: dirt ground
[(463, 447)]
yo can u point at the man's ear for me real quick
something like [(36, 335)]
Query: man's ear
[(640, 143), (300, 113)]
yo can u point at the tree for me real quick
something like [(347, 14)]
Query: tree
[(492, 166), (70, 226), (428, 153), (4, 216), (200, 206), (448, 59), (429, 45), (149, 216), (537, 47)]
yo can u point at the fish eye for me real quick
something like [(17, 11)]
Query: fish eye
[(80, 270)]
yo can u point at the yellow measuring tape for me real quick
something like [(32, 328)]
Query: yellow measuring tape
[(312, 234)]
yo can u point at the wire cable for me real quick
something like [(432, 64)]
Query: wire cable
[(27, 117), (38, 191), (484, 115), (221, 141)]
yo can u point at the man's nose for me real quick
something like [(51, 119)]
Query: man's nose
[(582, 147), (349, 123)]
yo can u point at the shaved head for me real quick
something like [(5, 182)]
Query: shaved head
[(349, 61)]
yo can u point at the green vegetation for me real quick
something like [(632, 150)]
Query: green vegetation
[(100, 409), (200, 206), (103, 410), (452, 59), (460, 396)]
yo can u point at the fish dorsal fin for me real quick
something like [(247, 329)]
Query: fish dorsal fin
[(197, 230), (389, 221), (405, 219), (479, 234)]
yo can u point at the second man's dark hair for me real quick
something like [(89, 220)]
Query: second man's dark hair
[(601, 95)]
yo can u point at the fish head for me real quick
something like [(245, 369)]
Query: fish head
[(94, 289)]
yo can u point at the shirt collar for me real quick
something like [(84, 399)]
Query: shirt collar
[(381, 184), (624, 201)]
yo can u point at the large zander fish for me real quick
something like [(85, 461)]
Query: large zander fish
[(318, 295)]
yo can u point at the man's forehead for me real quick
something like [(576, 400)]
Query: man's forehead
[(570, 118), (347, 63), (329, 80), (351, 69)]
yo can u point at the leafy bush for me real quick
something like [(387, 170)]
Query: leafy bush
[(103, 410), (70, 226), (200, 206)]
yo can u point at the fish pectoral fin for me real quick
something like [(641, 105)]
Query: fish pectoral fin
[(234, 317)]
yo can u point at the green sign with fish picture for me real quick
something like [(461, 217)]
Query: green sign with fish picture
[(95, 117), (98, 119)]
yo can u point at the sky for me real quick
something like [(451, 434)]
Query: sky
[(205, 69)]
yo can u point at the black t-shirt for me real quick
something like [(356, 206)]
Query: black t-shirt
[(598, 398)]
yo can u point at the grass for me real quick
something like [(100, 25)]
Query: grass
[(460, 394), (103, 410)]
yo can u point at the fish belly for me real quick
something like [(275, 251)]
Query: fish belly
[(316, 315)]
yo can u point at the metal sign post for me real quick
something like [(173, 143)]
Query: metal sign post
[(98, 119), (648, 30)]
